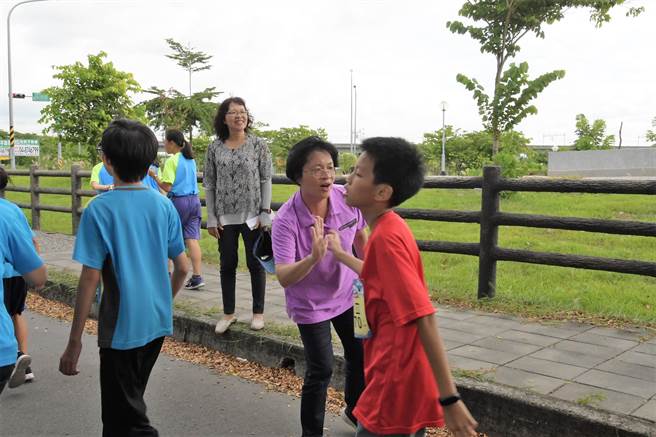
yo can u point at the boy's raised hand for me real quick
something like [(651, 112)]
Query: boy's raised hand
[(319, 243), (459, 420), (334, 242)]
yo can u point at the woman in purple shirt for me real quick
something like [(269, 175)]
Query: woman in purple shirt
[(308, 233)]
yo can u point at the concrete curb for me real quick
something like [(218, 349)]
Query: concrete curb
[(501, 410)]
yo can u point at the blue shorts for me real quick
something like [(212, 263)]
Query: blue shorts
[(188, 208)]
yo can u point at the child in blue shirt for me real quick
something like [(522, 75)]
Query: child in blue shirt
[(180, 181), (17, 250), (102, 181), (127, 236)]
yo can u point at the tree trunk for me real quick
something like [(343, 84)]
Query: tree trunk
[(495, 142)]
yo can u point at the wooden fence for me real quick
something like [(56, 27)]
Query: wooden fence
[(489, 217)]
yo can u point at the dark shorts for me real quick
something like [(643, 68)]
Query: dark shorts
[(189, 210), (15, 294)]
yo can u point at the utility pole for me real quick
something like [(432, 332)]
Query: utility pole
[(355, 119), (351, 147), (443, 162), (12, 155)]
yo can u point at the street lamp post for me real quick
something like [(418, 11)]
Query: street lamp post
[(443, 162), (351, 126), (11, 103), (355, 119)]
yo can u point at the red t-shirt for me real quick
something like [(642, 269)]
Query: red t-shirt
[(400, 395)]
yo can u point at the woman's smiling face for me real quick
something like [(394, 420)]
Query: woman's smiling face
[(236, 118)]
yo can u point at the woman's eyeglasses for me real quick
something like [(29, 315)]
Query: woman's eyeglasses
[(317, 172), (236, 113)]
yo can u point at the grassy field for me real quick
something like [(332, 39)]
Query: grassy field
[(526, 289)]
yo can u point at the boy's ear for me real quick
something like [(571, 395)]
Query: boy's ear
[(107, 163), (383, 193)]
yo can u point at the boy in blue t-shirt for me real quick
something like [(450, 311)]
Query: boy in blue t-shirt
[(127, 236), (16, 249)]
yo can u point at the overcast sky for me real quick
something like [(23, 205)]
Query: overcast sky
[(290, 61)]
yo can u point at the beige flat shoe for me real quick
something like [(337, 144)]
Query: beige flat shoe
[(257, 323), (223, 325)]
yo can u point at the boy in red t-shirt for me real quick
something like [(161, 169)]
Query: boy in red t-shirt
[(408, 382)]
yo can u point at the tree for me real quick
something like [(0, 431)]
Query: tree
[(468, 152), (188, 59), (172, 109), (592, 136), (651, 134), (504, 24), (89, 97), (281, 140)]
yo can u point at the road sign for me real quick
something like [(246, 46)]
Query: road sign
[(40, 97), (21, 148)]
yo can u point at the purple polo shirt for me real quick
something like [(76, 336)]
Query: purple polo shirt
[(326, 291)]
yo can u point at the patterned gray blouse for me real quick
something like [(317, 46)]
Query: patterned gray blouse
[(235, 176)]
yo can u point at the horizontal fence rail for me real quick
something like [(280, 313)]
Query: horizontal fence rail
[(622, 227), (489, 218)]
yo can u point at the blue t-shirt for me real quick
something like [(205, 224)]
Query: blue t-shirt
[(100, 175), (181, 173), (9, 271), (16, 248), (130, 233), (151, 182)]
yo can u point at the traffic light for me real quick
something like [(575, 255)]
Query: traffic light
[(18, 95)]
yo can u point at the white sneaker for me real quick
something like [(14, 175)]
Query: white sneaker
[(257, 323), (223, 325), (18, 375)]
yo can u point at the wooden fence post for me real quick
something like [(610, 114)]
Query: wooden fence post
[(76, 199), (487, 264), (35, 198)]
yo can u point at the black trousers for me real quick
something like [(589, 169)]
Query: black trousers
[(5, 374), (228, 246), (123, 378), (319, 360)]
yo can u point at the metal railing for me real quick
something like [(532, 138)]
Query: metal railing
[(489, 217)]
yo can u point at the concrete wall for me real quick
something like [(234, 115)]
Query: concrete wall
[(604, 163)]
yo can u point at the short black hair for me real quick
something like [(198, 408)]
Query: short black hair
[(131, 148), (4, 178), (298, 154), (220, 126), (398, 164)]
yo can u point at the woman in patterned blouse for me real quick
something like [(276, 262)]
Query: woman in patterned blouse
[(237, 181)]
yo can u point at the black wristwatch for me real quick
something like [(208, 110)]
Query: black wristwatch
[(445, 402), (268, 211)]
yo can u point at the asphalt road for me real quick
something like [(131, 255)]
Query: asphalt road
[(183, 399)]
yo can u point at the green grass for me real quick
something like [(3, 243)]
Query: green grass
[(591, 400), (525, 289)]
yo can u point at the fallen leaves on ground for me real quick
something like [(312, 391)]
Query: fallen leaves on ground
[(274, 379)]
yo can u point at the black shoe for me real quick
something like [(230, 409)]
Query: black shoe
[(194, 283)]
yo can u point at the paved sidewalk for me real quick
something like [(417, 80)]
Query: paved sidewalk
[(601, 367)]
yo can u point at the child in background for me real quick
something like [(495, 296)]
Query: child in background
[(127, 235), (14, 298), (101, 180), (16, 251), (408, 384), (180, 181)]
